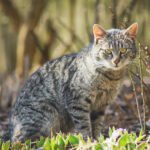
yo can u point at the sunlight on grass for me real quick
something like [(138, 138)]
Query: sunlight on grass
[(119, 139)]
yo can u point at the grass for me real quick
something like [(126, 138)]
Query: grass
[(119, 139)]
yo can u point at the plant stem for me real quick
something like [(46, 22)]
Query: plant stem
[(142, 87), (137, 103)]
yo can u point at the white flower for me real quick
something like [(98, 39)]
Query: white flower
[(115, 135), (113, 140)]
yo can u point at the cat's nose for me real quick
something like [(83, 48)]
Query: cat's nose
[(116, 61)]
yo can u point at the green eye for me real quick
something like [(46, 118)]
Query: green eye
[(123, 50), (109, 51)]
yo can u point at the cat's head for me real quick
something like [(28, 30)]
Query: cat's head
[(114, 49)]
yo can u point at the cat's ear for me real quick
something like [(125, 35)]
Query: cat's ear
[(98, 32), (132, 30)]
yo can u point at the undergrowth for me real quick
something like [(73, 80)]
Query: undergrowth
[(119, 139)]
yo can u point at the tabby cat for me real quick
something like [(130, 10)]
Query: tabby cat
[(72, 92)]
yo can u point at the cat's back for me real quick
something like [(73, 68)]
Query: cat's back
[(46, 82)]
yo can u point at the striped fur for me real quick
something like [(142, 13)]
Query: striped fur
[(71, 92)]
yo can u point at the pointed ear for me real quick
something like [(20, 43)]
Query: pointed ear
[(98, 32), (132, 30)]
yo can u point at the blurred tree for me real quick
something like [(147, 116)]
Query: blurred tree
[(114, 13), (126, 13), (24, 26)]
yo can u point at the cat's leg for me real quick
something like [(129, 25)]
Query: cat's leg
[(97, 120), (33, 123), (80, 116)]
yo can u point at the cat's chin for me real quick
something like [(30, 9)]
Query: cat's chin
[(117, 68), (110, 69)]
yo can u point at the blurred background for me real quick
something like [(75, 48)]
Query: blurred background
[(34, 31)]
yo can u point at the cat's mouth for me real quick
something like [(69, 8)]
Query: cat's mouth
[(106, 66), (117, 68), (120, 67)]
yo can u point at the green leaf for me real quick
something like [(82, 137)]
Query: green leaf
[(28, 144), (54, 145), (124, 140), (131, 146), (40, 143), (80, 137), (67, 141), (47, 144), (101, 139), (73, 140), (61, 143), (141, 146), (114, 147), (113, 129), (110, 132), (0, 143), (138, 139), (98, 147), (132, 137), (6, 145), (141, 132), (17, 146)]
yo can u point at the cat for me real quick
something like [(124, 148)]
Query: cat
[(72, 92)]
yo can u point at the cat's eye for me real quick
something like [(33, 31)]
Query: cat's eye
[(109, 51), (123, 50)]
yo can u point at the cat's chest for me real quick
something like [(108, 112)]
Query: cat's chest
[(104, 95)]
